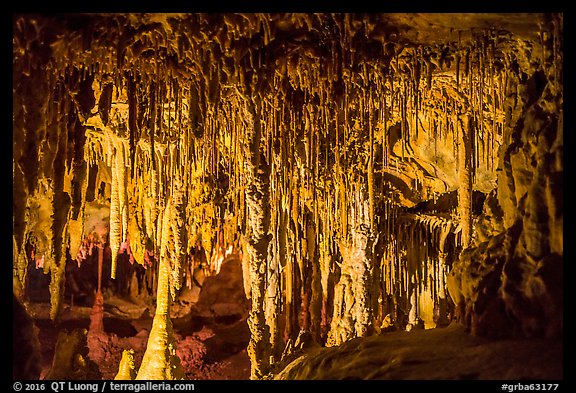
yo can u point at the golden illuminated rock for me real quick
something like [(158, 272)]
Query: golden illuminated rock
[(126, 369), (376, 172), (160, 361)]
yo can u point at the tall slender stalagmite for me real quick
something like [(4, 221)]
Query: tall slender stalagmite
[(160, 361), (97, 313)]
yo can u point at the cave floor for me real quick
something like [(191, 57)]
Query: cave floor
[(211, 351), (207, 351), (448, 353)]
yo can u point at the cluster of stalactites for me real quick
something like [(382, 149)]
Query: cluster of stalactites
[(50, 174), (147, 210), (415, 260), (326, 129), (171, 126)]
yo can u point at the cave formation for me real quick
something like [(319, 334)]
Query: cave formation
[(312, 196)]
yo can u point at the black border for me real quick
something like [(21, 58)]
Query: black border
[(325, 6)]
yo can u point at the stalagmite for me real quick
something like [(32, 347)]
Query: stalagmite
[(160, 360), (70, 360), (97, 312), (126, 369)]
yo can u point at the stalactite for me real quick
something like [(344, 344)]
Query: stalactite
[(493, 129), (27, 154), (79, 184), (276, 254), (116, 205), (371, 169), (289, 292), (60, 206), (174, 236), (132, 125), (152, 123), (403, 122), (465, 178), (457, 55)]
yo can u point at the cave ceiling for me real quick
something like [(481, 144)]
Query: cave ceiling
[(317, 58)]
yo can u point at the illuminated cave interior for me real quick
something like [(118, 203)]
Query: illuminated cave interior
[(287, 196)]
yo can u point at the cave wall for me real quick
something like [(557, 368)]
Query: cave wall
[(372, 178), (518, 270)]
